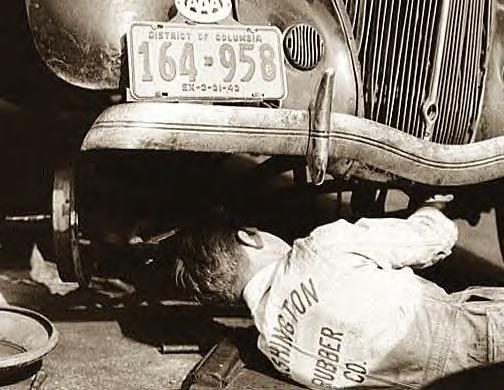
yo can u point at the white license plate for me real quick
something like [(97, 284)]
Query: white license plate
[(172, 61)]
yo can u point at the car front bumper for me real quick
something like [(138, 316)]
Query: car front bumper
[(232, 129)]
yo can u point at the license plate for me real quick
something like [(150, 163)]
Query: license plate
[(175, 61)]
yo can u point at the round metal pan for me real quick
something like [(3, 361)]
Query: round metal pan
[(25, 338)]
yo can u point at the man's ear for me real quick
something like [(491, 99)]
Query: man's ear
[(250, 237)]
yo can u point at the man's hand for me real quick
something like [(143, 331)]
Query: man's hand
[(438, 201)]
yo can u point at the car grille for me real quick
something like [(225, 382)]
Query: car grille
[(399, 42)]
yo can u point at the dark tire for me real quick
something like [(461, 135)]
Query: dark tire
[(72, 266)]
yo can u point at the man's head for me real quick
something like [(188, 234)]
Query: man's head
[(217, 258)]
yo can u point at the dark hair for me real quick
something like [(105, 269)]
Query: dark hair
[(210, 261)]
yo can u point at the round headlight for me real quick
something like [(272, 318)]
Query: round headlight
[(303, 46)]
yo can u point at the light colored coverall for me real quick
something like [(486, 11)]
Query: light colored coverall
[(345, 309)]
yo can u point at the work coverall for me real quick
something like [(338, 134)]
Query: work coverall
[(345, 309)]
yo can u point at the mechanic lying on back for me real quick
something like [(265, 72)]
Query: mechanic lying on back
[(342, 307)]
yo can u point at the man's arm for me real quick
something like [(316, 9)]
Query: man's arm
[(419, 241)]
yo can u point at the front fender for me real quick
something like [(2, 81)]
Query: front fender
[(81, 41)]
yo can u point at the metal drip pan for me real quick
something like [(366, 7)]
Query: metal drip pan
[(25, 338)]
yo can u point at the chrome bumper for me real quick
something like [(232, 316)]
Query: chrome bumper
[(229, 129)]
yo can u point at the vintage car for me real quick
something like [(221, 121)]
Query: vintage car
[(388, 94)]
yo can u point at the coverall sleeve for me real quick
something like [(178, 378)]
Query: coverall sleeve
[(419, 241)]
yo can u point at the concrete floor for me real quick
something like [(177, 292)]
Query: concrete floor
[(105, 347)]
